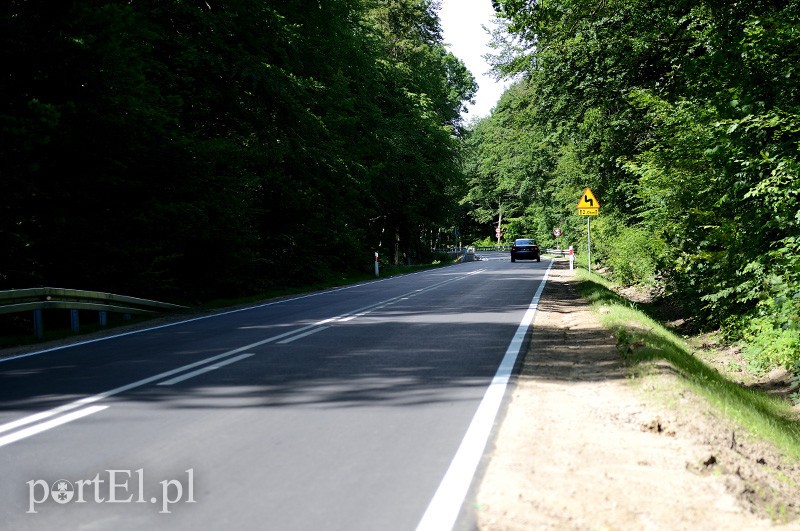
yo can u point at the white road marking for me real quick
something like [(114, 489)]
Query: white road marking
[(44, 426), (205, 370), (30, 419), (304, 334), (228, 312), (286, 336), (360, 312), (445, 506)]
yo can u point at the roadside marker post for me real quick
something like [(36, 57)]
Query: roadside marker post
[(498, 231), (377, 267)]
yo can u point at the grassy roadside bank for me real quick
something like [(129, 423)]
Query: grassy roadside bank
[(753, 437), (642, 339)]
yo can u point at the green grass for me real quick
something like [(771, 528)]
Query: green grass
[(643, 339)]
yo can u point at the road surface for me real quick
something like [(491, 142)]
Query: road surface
[(360, 408)]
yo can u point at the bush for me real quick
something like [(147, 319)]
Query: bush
[(440, 258), (486, 242), (773, 334), (771, 346), (632, 253), (635, 257)]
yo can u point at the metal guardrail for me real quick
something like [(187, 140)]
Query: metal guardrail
[(505, 248), (39, 299), (557, 252), (493, 248)]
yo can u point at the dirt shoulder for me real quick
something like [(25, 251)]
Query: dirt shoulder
[(585, 446)]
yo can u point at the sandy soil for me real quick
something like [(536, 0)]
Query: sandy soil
[(584, 446)]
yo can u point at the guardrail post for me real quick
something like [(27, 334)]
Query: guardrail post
[(39, 299), (38, 324), (74, 323)]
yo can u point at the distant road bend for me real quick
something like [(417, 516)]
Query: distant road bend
[(360, 408)]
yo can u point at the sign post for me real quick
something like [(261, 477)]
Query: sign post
[(589, 206), (589, 244)]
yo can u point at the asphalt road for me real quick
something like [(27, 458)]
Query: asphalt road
[(361, 408)]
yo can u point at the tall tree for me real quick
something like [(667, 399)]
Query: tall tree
[(189, 150), (417, 184), (683, 117)]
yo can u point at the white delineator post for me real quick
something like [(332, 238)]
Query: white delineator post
[(571, 258), (377, 268)]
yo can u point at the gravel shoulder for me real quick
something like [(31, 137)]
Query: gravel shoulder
[(585, 446)]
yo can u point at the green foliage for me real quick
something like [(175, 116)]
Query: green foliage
[(769, 345), (173, 149), (484, 242), (511, 164), (795, 395), (632, 253), (684, 119)]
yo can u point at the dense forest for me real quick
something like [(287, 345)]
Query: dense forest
[(187, 150), (683, 118)]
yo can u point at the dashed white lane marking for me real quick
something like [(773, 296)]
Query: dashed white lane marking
[(286, 337), (204, 370)]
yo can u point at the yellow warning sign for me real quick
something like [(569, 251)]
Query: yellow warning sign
[(588, 200)]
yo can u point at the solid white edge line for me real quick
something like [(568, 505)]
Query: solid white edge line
[(44, 426), (445, 506), (204, 370)]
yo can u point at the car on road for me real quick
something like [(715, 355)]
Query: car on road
[(524, 249)]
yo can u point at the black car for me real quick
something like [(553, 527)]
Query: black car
[(525, 250)]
